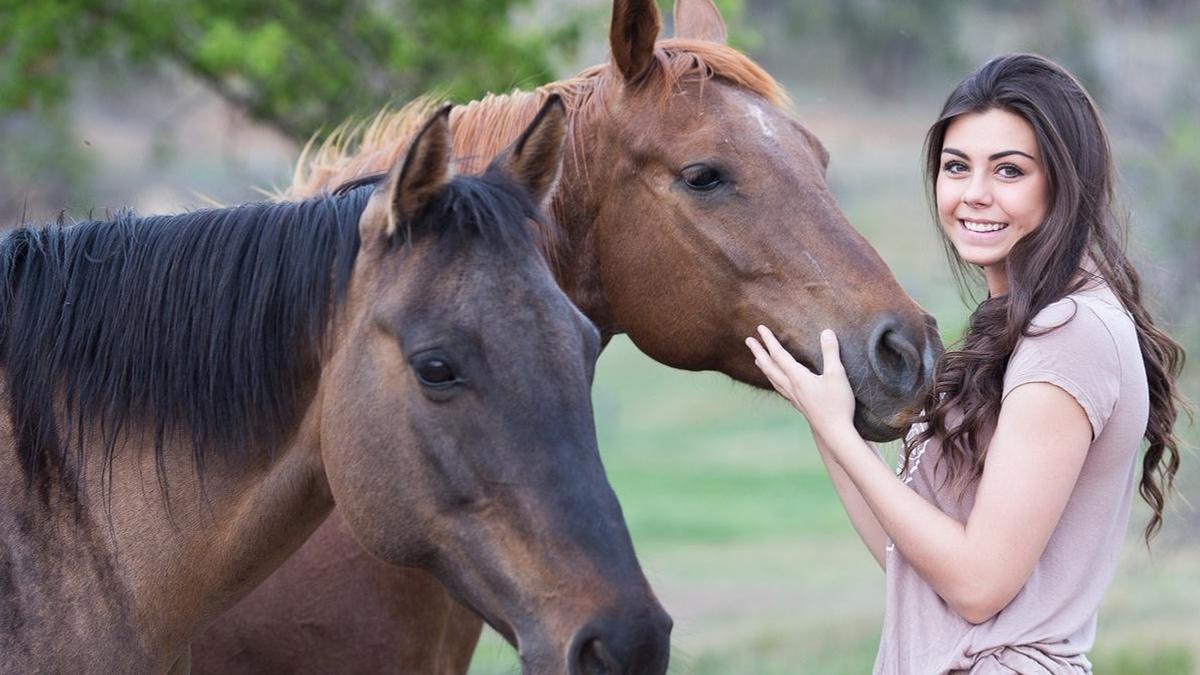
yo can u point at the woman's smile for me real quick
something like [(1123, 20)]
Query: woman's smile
[(982, 226)]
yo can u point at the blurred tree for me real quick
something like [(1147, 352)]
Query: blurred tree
[(295, 65)]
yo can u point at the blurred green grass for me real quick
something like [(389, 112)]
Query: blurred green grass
[(742, 537)]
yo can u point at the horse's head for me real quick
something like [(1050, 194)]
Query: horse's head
[(715, 216), (457, 428)]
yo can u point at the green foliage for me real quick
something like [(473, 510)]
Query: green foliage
[(297, 65)]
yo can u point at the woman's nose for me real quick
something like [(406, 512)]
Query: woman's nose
[(978, 192)]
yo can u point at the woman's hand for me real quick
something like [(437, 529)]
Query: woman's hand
[(826, 399)]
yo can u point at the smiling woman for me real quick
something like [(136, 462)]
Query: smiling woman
[(1004, 529), (988, 196)]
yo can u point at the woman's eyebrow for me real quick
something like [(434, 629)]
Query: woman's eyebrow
[(991, 158), (1006, 153)]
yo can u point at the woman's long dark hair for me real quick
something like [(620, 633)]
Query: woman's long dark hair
[(1081, 222)]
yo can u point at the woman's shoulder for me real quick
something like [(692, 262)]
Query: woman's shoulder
[(1084, 343), (1091, 318)]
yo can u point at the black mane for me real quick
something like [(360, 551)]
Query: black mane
[(205, 327)]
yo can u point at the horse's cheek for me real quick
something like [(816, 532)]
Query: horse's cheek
[(364, 460)]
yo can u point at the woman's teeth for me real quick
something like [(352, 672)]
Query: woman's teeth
[(983, 227)]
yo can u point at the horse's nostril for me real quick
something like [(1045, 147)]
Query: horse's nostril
[(891, 348), (894, 359), (594, 659)]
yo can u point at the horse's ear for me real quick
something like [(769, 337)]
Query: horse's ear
[(635, 27), (424, 170), (699, 20), (533, 161)]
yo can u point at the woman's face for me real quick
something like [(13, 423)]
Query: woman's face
[(991, 189)]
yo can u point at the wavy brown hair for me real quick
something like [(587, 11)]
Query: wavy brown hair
[(1082, 222)]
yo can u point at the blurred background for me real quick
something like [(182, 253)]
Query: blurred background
[(167, 106)]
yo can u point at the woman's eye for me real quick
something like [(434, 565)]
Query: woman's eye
[(954, 167), (435, 373), (1009, 171), (701, 178)]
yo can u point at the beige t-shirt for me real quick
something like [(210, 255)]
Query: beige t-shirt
[(1051, 623)]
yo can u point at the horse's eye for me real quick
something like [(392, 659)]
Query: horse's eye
[(435, 372), (701, 177)]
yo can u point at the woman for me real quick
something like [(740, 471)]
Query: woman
[(1005, 527)]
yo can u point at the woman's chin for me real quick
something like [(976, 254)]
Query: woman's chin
[(979, 256)]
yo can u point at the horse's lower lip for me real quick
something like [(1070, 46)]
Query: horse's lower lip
[(872, 427)]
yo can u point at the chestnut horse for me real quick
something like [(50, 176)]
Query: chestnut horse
[(693, 206), (188, 395)]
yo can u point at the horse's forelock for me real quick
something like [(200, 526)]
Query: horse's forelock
[(681, 59)]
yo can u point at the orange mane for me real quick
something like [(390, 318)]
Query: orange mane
[(483, 128)]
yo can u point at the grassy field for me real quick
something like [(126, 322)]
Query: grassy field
[(745, 542)]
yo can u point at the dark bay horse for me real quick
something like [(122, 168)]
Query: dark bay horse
[(186, 397), (693, 206)]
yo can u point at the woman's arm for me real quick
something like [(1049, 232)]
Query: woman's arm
[(1033, 461), (864, 521)]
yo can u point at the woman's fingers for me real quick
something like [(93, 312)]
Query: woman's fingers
[(761, 357), (830, 352), (787, 395), (785, 360), (775, 349), (817, 396), (779, 381), (768, 366)]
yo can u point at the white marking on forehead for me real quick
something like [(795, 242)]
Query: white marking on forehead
[(760, 117)]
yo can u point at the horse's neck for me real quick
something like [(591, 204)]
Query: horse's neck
[(58, 581), (575, 258), (104, 557)]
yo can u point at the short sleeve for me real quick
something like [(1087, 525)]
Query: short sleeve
[(1078, 355)]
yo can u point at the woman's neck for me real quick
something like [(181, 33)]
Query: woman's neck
[(996, 277)]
